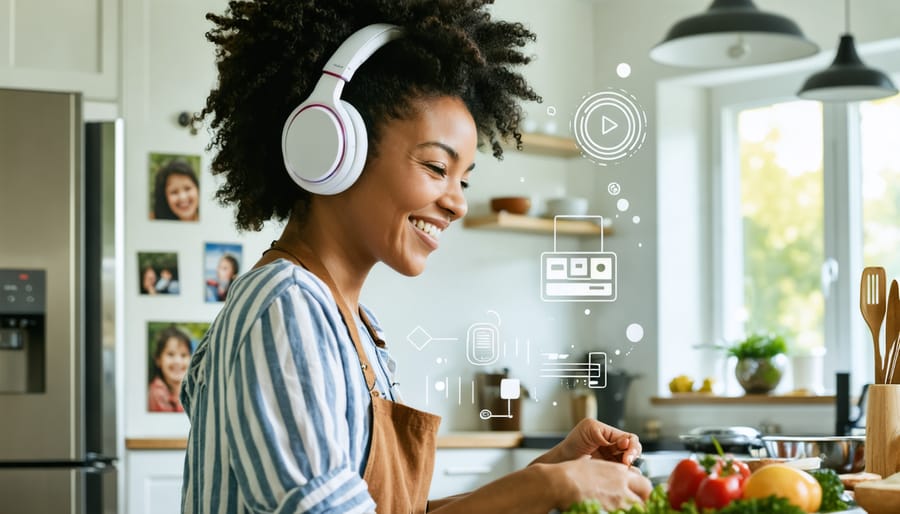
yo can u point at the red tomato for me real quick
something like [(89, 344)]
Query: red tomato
[(731, 466), (684, 482), (716, 492)]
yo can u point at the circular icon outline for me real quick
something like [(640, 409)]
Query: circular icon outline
[(635, 119)]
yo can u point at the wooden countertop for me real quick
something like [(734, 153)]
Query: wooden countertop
[(474, 439)]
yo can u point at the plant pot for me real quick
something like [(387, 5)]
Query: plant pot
[(760, 376)]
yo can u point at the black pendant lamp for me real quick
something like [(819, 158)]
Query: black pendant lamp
[(732, 33), (848, 79)]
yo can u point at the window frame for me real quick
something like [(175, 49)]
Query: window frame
[(843, 328)]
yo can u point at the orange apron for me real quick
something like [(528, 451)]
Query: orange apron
[(403, 440)]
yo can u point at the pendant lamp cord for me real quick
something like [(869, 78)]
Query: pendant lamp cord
[(847, 16)]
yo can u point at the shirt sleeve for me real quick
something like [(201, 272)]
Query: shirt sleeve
[(287, 401)]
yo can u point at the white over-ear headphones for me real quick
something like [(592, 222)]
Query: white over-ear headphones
[(324, 140)]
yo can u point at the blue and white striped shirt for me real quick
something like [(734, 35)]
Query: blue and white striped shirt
[(278, 404)]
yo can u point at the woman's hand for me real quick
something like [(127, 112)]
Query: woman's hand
[(596, 439), (614, 485)]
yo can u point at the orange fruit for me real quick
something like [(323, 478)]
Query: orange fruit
[(798, 487)]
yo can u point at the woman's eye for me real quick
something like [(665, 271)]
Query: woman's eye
[(437, 169), (464, 184)]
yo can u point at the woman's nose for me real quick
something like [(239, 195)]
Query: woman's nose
[(454, 201)]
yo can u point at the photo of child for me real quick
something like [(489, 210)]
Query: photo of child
[(158, 273), (174, 188), (170, 346), (222, 263)]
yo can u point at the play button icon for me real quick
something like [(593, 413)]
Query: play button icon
[(607, 125)]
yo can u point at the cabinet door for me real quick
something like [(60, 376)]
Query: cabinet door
[(154, 481), (462, 470), (61, 46)]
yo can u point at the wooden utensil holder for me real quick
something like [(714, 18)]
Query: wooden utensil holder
[(883, 429)]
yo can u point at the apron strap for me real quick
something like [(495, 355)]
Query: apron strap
[(309, 260)]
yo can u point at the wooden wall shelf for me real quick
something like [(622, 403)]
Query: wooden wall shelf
[(544, 144), (518, 223), (748, 399)]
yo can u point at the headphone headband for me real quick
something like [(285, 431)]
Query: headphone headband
[(359, 47)]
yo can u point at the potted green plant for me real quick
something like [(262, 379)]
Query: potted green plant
[(761, 361)]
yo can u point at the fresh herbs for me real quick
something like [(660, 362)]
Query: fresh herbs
[(832, 490), (759, 346), (658, 503)]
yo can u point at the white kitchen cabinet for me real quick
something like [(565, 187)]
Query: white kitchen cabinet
[(60, 46), (154, 481), (460, 470)]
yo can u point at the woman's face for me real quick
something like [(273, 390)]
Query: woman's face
[(225, 271), (174, 361), (412, 187), (149, 281), (182, 196)]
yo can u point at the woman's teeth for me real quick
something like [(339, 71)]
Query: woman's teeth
[(426, 227)]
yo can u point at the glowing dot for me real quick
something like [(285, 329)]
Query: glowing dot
[(573, 346), (623, 70), (636, 219), (634, 332), (439, 360), (640, 245), (551, 110), (614, 188), (439, 386), (522, 180), (554, 404), (587, 312), (618, 352), (622, 204)]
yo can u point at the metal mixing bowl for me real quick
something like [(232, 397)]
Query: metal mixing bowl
[(844, 454)]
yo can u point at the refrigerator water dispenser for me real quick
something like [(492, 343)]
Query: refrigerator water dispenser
[(22, 309)]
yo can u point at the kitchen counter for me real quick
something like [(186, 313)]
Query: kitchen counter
[(466, 439), (473, 439)]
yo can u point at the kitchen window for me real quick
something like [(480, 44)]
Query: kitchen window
[(809, 194)]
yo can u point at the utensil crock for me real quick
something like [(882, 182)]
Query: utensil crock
[(883, 429)]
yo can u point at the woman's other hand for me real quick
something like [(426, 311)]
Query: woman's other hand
[(614, 485), (597, 440)]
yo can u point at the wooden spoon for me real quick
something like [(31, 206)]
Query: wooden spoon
[(891, 334), (873, 306)]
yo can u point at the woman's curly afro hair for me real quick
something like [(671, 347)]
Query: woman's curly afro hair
[(270, 54)]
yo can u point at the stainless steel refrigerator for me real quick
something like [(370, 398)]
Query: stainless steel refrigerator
[(58, 267)]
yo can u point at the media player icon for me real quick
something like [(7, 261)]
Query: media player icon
[(578, 276)]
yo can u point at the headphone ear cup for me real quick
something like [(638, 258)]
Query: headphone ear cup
[(357, 149)]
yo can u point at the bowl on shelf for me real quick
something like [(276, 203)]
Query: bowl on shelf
[(567, 206), (511, 204)]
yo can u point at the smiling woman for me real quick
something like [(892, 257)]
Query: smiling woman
[(291, 394)]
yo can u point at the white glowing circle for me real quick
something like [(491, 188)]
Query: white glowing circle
[(439, 360), (640, 245), (622, 204), (623, 70), (587, 312), (522, 179), (636, 219), (551, 110), (634, 332), (554, 404), (439, 386), (614, 188), (618, 352)]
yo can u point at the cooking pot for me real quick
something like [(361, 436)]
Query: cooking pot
[(731, 439)]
